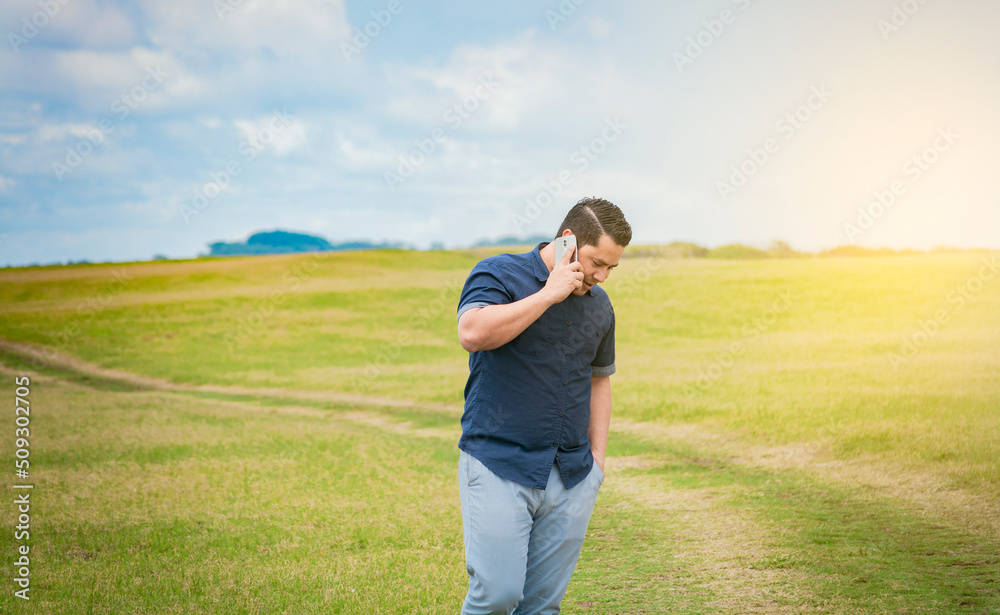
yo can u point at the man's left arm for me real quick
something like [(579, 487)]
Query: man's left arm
[(600, 417)]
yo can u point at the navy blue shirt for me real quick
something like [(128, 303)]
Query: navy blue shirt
[(527, 403)]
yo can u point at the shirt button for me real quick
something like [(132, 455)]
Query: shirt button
[(565, 382), (566, 352), (569, 322), (562, 413)]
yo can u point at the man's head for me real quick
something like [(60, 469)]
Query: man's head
[(602, 234)]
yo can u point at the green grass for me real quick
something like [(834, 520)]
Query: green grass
[(153, 502), (768, 454)]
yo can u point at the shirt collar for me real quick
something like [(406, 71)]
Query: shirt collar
[(541, 271)]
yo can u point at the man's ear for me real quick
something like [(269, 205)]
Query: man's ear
[(566, 232)]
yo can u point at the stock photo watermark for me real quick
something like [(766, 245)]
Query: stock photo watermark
[(626, 286), (786, 127), (364, 35), (581, 159), (899, 17), (713, 30), (724, 361), (495, 419), (22, 499), (566, 9), (251, 147), (86, 311), (89, 309), (248, 326), (916, 340), (31, 26), (422, 321), (913, 169), (122, 106), (455, 116)]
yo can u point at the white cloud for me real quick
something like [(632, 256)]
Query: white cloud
[(20, 115), (139, 79), (97, 26), (61, 132), (290, 28), (275, 132), (546, 91), (356, 152), (552, 95), (99, 55), (67, 22), (13, 139), (599, 28)]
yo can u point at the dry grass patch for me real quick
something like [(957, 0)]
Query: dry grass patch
[(719, 547), (927, 494), (381, 421)]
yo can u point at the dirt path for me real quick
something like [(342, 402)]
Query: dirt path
[(63, 362), (923, 493), (926, 494), (719, 544)]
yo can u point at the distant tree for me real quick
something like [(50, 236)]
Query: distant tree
[(737, 251), (861, 251), (294, 242), (686, 249), (283, 242), (512, 241), (780, 249)]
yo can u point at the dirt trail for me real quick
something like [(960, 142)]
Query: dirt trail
[(926, 494), (61, 361), (718, 542), (923, 493)]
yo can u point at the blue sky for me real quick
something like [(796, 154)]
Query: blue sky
[(129, 129)]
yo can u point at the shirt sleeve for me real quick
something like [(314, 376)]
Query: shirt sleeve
[(483, 288), (604, 363)]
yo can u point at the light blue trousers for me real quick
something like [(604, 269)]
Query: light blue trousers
[(521, 544)]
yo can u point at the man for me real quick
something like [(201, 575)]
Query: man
[(541, 338)]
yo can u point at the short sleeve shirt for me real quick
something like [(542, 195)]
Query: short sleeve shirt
[(527, 403)]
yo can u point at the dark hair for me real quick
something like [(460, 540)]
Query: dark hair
[(593, 217)]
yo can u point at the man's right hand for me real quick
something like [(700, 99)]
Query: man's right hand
[(565, 277)]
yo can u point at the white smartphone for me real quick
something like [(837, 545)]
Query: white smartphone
[(562, 243)]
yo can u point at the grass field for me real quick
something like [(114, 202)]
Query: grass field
[(278, 435)]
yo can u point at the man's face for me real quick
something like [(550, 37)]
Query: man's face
[(598, 261)]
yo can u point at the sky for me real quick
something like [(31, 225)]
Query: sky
[(155, 127)]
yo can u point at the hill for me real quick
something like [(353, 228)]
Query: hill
[(285, 242), (277, 434)]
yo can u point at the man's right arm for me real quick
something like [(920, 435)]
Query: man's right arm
[(492, 326)]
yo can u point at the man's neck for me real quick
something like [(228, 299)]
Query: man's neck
[(548, 254)]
